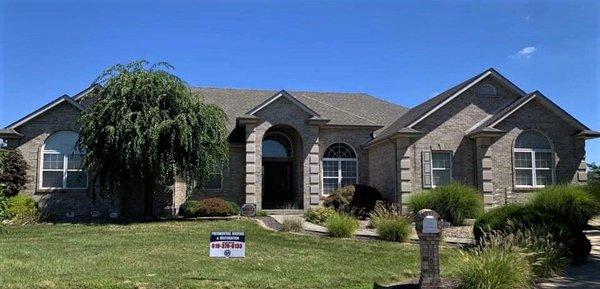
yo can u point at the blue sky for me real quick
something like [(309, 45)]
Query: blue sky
[(403, 52)]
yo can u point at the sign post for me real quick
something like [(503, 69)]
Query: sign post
[(227, 245)]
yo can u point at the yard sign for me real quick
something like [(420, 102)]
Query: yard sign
[(227, 245)]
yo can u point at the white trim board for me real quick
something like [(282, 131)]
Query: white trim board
[(287, 96), (45, 108), (548, 104)]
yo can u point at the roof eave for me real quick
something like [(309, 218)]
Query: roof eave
[(587, 134), (10, 133), (45, 108)]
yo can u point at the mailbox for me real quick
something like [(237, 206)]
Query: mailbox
[(430, 225)]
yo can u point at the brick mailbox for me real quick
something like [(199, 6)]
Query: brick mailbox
[(429, 230)]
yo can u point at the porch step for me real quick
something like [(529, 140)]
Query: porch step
[(284, 212)]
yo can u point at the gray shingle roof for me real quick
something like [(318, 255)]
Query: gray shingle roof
[(340, 108)]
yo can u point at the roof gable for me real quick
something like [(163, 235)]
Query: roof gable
[(521, 102), (43, 109), (420, 112), (285, 95)]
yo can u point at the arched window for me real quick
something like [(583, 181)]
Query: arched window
[(339, 167), (276, 145), (487, 90), (534, 165), (61, 163)]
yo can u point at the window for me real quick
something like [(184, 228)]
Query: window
[(276, 145), (436, 168), (61, 163), (215, 181), (533, 160), (339, 167), (487, 90), (441, 168)]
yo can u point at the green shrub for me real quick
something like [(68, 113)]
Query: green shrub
[(384, 210), (291, 224), (547, 256), (358, 200), (494, 268), (499, 219), (319, 215), (4, 215), (594, 190), (454, 202), (561, 211), (566, 203), (262, 213), (341, 225), (396, 229), (234, 207), (212, 207), (13, 174), (22, 209)]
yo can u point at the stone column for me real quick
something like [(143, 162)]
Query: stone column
[(312, 165), (250, 178), (429, 230), (404, 178), (485, 171)]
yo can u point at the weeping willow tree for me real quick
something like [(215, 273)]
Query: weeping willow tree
[(145, 129)]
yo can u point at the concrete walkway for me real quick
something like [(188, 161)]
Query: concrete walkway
[(586, 275)]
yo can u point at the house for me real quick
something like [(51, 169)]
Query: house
[(295, 148)]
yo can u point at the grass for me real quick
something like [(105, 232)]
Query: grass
[(175, 255)]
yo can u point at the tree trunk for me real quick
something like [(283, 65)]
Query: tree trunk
[(148, 197)]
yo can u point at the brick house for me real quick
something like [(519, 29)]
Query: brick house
[(295, 148)]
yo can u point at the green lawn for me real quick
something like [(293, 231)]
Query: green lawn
[(175, 255)]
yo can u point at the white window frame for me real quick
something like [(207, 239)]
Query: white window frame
[(533, 167), (65, 170), (441, 169), (339, 164)]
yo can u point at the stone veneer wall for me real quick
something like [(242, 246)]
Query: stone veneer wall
[(55, 203), (446, 130), (569, 156)]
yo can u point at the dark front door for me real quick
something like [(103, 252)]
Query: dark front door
[(278, 189)]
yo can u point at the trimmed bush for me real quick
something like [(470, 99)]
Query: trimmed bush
[(291, 224), (341, 225), (319, 215), (566, 203), (22, 210), (13, 174), (396, 229), (494, 268), (454, 202), (358, 200), (212, 207)]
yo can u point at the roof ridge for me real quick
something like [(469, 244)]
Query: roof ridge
[(344, 111), (276, 90)]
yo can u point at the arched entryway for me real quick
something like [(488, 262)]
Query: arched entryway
[(280, 171)]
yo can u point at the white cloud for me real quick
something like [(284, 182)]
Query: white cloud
[(526, 52), (527, 18)]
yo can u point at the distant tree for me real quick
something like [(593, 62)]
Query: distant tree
[(147, 128), (593, 173), (13, 172)]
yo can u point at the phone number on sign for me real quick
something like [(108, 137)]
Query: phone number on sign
[(226, 245)]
